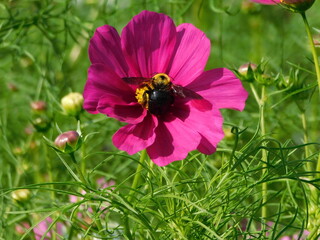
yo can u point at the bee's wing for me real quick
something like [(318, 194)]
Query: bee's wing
[(201, 104), (135, 80), (196, 101)]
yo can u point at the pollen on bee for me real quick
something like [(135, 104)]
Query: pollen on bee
[(142, 96)]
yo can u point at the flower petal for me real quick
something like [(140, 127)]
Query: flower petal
[(221, 87), (105, 47), (207, 123), (91, 96), (213, 135), (267, 1), (191, 54), (174, 140), (148, 43), (133, 138), (103, 81), (113, 106)]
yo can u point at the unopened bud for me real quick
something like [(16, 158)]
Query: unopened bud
[(12, 87), (38, 106), (285, 82), (29, 130), (316, 42), (21, 195), (33, 145), (17, 151), (41, 123), (243, 69), (248, 7), (72, 104), (26, 62), (297, 5), (291, 83), (246, 72), (228, 135), (68, 142), (265, 79)]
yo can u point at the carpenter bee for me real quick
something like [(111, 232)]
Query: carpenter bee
[(157, 94)]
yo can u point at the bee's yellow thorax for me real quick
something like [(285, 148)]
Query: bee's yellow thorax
[(161, 79)]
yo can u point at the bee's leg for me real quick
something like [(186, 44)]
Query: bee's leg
[(145, 97)]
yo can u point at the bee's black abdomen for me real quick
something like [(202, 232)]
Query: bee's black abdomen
[(160, 101)]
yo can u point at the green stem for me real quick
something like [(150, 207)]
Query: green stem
[(49, 167), (137, 176), (314, 192), (83, 159), (37, 165), (313, 49), (50, 179), (261, 102), (264, 153), (86, 183), (318, 167), (134, 185), (81, 176), (305, 138)]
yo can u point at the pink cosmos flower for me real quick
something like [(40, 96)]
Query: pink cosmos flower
[(293, 5), (283, 1), (152, 77)]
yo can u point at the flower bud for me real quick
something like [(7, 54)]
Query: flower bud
[(21, 195), (284, 82), (29, 130), (41, 123), (244, 69), (17, 151), (38, 106), (265, 79), (292, 83), (249, 7), (26, 62), (246, 72), (72, 104), (297, 5), (12, 87), (68, 142), (228, 135)]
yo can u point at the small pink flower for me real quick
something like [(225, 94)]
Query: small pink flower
[(187, 117), (22, 227), (102, 183), (41, 229), (304, 236), (285, 238)]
